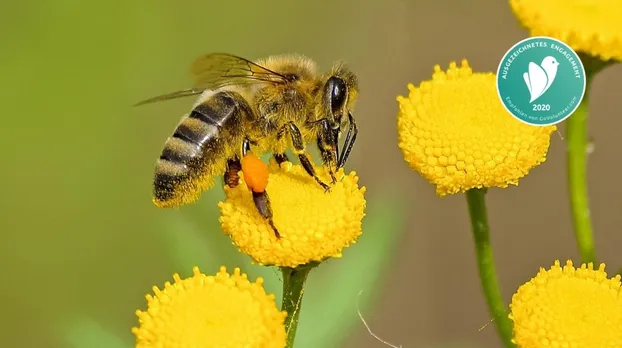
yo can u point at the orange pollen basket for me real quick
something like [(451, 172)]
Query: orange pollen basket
[(255, 173)]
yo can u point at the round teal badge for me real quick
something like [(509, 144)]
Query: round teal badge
[(541, 81)]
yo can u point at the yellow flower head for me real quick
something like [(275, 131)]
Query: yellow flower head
[(456, 133), (314, 225), (568, 307), (224, 310), (593, 27)]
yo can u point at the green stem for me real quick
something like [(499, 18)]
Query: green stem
[(476, 199), (293, 289), (577, 138)]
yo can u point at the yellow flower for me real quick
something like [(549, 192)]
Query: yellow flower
[(314, 225), (568, 307), (593, 27), (456, 133), (211, 311)]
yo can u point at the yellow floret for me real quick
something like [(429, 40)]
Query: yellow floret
[(224, 310), (592, 27), (568, 307), (455, 132), (314, 225)]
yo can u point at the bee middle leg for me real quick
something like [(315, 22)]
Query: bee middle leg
[(280, 158), (299, 149), (231, 177)]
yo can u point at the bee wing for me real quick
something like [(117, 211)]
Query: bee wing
[(221, 69), (174, 95), (217, 70)]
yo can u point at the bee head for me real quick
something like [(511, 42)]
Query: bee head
[(341, 90), (338, 91)]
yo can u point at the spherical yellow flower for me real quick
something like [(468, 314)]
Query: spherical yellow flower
[(456, 133), (224, 310), (593, 27), (568, 307), (313, 224)]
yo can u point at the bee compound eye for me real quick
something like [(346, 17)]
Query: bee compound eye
[(338, 93)]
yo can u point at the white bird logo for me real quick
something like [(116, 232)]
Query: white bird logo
[(540, 77)]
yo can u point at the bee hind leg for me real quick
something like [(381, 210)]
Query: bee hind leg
[(261, 199), (299, 149), (262, 203)]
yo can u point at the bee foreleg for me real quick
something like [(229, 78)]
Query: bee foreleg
[(299, 149), (262, 202), (329, 161), (336, 142), (327, 144), (349, 142)]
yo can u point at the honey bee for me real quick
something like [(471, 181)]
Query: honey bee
[(268, 106)]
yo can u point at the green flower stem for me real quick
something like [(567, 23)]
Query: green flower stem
[(476, 199), (293, 289), (576, 135), (577, 138)]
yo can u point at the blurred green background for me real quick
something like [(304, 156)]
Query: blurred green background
[(82, 244)]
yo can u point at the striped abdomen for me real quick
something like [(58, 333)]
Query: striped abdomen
[(198, 150)]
